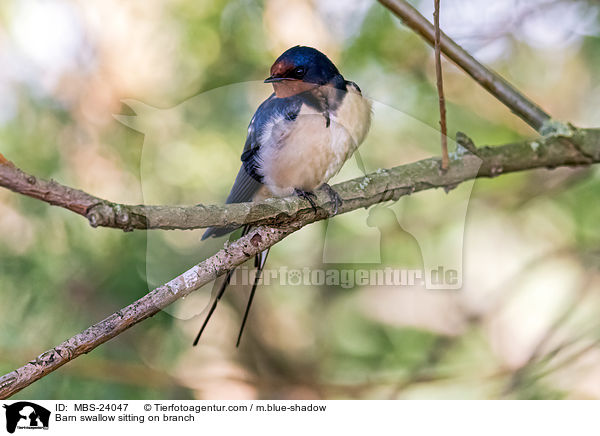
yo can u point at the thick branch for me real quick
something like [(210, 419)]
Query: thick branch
[(147, 306), (549, 151), (527, 110), (577, 147)]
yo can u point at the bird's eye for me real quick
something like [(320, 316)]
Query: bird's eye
[(299, 72)]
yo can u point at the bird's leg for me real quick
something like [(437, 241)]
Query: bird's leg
[(308, 196), (333, 196)]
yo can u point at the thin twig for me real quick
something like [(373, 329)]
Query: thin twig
[(522, 106), (399, 181), (440, 85)]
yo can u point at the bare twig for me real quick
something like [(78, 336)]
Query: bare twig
[(440, 85), (580, 148), (527, 110)]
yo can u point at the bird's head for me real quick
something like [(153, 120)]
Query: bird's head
[(301, 69)]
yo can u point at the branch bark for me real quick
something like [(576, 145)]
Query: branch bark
[(384, 184), (523, 107), (575, 147)]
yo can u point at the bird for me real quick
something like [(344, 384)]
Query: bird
[(297, 140)]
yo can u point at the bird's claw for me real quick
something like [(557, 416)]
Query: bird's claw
[(334, 197), (308, 196)]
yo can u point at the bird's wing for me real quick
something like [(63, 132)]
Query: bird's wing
[(248, 180)]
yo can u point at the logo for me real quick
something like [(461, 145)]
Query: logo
[(26, 415)]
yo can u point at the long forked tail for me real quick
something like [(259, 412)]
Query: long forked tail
[(259, 263), (214, 305), (219, 294)]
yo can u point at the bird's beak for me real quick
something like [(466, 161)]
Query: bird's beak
[(272, 79)]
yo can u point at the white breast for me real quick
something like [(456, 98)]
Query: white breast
[(349, 126), (306, 153)]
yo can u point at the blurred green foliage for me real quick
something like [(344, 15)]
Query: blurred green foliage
[(528, 252)]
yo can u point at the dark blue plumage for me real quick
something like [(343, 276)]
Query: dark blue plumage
[(310, 65), (249, 179)]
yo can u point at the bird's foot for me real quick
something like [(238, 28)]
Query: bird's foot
[(308, 196), (334, 197)]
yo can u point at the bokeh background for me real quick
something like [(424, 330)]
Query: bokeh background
[(148, 101)]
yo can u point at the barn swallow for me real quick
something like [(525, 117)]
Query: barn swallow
[(297, 140)]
